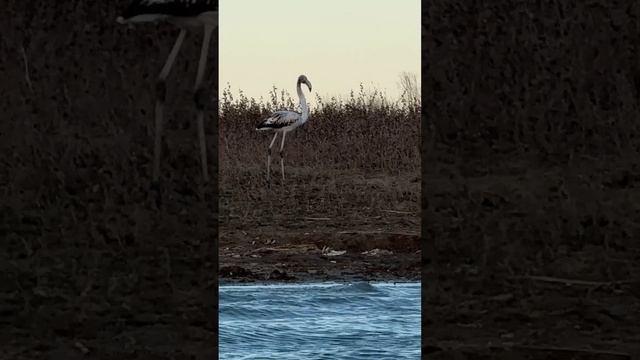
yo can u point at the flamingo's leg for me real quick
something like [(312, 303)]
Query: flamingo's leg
[(269, 157), (284, 133)]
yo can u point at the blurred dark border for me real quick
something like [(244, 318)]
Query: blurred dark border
[(530, 179), (91, 265)]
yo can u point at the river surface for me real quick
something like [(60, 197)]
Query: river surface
[(320, 321)]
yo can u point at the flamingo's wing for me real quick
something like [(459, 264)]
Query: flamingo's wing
[(279, 119)]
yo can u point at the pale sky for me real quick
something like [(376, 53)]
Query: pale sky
[(338, 44)]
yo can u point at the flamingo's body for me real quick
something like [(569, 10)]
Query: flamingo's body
[(282, 122), (183, 13)]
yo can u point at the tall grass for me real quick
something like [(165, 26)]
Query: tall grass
[(352, 159), (366, 133)]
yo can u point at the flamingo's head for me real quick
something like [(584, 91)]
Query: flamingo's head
[(302, 79)]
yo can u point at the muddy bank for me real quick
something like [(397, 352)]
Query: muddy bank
[(312, 256), (319, 225)]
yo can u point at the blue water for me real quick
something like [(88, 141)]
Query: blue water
[(320, 321)]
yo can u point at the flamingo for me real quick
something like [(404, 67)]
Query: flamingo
[(282, 122)]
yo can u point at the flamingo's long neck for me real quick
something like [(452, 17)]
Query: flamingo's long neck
[(303, 103)]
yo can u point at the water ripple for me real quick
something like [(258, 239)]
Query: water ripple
[(320, 321)]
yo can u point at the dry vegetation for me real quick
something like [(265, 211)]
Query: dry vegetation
[(362, 153)]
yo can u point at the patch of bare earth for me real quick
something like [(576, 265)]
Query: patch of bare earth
[(340, 227)]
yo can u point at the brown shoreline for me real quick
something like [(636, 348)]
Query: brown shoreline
[(299, 257), (319, 225)]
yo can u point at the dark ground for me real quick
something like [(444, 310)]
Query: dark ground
[(279, 234), (370, 256), (531, 210)]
